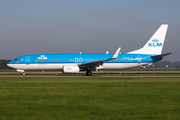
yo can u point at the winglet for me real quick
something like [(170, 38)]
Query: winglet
[(100, 62), (116, 53)]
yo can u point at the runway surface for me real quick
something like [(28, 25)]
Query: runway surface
[(96, 74), (88, 76)]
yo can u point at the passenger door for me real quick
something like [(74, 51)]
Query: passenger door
[(27, 59)]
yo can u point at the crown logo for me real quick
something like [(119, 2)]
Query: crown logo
[(155, 40), (69, 68), (42, 57)]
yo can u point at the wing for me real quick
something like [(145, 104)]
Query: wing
[(100, 62)]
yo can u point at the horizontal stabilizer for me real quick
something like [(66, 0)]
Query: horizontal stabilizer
[(162, 55)]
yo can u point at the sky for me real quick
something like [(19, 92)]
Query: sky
[(87, 26)]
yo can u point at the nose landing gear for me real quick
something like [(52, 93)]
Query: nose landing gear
[(24, 73)]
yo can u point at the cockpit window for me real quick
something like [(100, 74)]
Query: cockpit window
[(16, 59)]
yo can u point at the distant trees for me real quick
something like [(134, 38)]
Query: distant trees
[(176, 64), (165, 64), (3, 64)]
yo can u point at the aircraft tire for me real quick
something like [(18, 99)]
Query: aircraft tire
[(88, 73)]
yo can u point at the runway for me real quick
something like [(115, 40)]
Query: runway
[(89, 76), (95, 74)]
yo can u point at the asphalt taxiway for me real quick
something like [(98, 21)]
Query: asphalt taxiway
[(50, 76)]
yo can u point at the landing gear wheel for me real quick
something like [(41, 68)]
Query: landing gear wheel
[(24, 73), (88, 73)]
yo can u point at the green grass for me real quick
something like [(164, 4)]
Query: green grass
[(89, 98)]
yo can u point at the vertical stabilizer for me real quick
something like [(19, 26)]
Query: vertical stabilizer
[(155, 43)]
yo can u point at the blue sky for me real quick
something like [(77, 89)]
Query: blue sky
[(87, 26)]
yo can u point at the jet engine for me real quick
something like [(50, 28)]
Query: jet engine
[(70, 69)]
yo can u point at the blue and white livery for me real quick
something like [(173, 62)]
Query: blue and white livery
[(74, 63)]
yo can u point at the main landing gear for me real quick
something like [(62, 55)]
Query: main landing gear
[(88, 73)]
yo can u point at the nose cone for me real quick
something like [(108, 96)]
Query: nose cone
[(10, 64)]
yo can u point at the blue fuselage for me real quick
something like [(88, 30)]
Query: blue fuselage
[(82, 58)]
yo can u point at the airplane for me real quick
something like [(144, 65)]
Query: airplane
[(74, 63)]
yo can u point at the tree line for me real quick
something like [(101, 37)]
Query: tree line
[(165, 64), (3, 64)]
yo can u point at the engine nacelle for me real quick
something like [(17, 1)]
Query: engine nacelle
[(71, 69), (20, 70)]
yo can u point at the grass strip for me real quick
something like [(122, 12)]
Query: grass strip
[(89, 98)]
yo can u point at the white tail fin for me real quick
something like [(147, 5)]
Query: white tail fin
[(155, 43)]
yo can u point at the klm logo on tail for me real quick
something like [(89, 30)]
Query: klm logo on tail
[(155, 43)]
